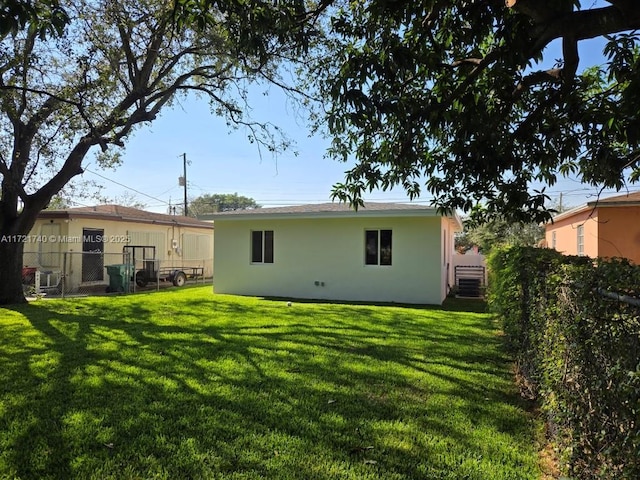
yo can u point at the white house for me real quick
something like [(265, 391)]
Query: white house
[(382, 253)]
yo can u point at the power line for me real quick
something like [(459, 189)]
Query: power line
[(127, 187)]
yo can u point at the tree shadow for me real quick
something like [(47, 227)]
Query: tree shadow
[(200, 387)]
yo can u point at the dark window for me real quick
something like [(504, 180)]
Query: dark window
[(371, 247), (385, 247), (378, 247), (268, 246), (256, 247), (262, 246)]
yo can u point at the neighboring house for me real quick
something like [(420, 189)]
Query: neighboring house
[(609, 227), (90, 238), (382, 253)]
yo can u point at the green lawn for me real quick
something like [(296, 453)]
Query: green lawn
[(185, 384)]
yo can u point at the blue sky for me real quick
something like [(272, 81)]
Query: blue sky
[(224, 161), (221, 161)]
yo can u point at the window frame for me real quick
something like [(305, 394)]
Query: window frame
[(383, 240), (262, 253), (580, 240)]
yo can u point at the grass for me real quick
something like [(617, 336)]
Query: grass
[(185, 384)]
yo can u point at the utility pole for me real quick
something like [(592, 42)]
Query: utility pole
[(182, 181)]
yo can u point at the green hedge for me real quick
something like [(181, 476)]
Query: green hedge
[(577, 345)]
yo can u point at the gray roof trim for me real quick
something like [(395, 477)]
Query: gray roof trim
[(330, 210)]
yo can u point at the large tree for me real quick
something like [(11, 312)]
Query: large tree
[(462, 98), (116, 65), (220, 202)]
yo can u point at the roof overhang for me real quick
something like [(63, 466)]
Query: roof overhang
[(411, 211)]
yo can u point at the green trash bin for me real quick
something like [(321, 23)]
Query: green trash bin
[(119, 277)]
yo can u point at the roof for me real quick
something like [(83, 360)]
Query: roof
[(332, 210), (124, 214), (625, 200)]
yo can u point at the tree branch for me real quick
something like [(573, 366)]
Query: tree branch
[(585, 24), (553, 75)]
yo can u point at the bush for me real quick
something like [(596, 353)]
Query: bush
[(576, 340)]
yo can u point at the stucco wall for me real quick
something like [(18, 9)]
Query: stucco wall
[(619, 229), (331, 252), (566, 233)]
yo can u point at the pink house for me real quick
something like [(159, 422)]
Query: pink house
[(608, 227)]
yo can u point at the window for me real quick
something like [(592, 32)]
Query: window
[(262, 246), (580, 235), (553, 240), (377, 247)]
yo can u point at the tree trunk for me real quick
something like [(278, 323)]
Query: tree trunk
[(11, 248)]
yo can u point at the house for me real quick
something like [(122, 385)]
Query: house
[(81, 242), (608, 227), (382, 252)]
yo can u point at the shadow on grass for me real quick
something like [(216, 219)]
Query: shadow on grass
[(450, 304), (189, 387)]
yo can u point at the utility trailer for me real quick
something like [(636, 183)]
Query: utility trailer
[(152, 272)]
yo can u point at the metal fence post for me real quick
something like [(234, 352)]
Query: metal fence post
[(63, 280)]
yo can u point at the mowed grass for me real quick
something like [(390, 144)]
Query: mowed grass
[(186, 384)]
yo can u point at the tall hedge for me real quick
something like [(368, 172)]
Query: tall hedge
[(574, 329)]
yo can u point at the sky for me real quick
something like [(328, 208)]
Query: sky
[(224, 161)]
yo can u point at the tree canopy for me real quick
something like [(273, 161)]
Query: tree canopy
[(46, 17), (220, 202), (110, 65), (499, 232), (459, 99)]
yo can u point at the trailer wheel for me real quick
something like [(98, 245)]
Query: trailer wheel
[(141, 278), (179, 279)]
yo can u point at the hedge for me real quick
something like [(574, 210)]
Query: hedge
[(573, 326)]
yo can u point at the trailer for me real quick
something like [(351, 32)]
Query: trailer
[(151, 272)]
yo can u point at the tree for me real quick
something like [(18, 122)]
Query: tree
[(459, 97), (126, 199), (220, 202), (58, 202), (499, 231), (116, 66), (46, 17)]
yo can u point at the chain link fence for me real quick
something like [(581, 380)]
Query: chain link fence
[(94, 273)]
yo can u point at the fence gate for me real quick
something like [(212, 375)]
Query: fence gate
[(469, 280)]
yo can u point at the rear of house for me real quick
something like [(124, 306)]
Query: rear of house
[(381, 253)]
